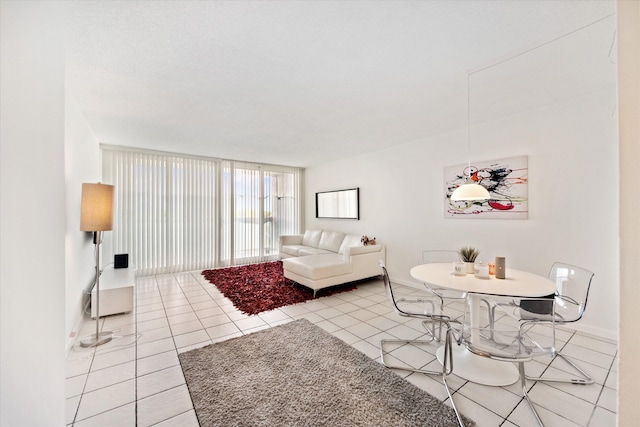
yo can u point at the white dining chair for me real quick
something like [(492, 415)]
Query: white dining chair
[(511, 336), (570, 301), (572, 292), (443, 295), (442, 256), (414, 303)]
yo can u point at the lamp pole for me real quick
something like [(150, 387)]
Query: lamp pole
[(96, 215)]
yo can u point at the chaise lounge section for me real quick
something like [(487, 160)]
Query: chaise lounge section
[(320, 259)]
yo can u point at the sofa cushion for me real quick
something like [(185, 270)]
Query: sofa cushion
[(311, 238), (305, 250), (348, 241), (318, 267), (292, 250), (331, 240)]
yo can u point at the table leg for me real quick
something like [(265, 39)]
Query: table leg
[(476, 368), (474, 301)]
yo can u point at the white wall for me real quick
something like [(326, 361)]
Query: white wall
[(82, 164), (573, 196), (32, 215)]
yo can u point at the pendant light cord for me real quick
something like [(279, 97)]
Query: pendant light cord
[(469, 125), (509, 58)]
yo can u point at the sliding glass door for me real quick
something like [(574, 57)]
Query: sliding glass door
[(259, 204)]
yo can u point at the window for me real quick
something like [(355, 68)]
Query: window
[(176, 213)]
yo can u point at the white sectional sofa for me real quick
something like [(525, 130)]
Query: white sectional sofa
[(319, 259)]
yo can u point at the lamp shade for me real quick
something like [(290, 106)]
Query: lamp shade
[(470, 191), (96, 211)]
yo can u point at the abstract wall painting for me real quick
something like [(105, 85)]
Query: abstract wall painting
[(506, 180)]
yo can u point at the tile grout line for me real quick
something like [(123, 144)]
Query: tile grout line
[(86, 380), (164, 308), (135, 354), (373, 299), (613, 361), (195, 311)]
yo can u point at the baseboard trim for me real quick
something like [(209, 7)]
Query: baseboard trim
[(75, 331)]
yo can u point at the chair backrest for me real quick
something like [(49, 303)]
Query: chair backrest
[(388, 288), (440, 255), (510, 334), (572, 290), (409, 305)]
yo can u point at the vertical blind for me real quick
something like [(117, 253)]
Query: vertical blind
[(176, 213)]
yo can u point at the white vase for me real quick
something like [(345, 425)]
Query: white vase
[(470, 267)]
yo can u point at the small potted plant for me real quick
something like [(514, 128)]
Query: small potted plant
[(468, 255)]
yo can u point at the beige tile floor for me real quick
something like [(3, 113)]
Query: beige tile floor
[(136, 379)]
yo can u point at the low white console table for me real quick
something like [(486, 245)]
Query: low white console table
[(116, 292)]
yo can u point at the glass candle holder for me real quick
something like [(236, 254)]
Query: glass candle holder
[(459, 269), (481, 270)]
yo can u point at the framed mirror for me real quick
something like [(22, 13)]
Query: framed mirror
[(342, 204)]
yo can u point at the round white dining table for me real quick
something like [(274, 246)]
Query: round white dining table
[(517, 283)]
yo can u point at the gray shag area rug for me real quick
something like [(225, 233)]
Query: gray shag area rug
[(297, 374)]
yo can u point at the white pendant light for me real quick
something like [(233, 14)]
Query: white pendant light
[(470, 190)]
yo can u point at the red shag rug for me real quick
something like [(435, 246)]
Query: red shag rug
[(255, 288)]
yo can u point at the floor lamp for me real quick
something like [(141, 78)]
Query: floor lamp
[(96, 215)]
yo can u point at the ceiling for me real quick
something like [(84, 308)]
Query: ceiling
[(302, 83)]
